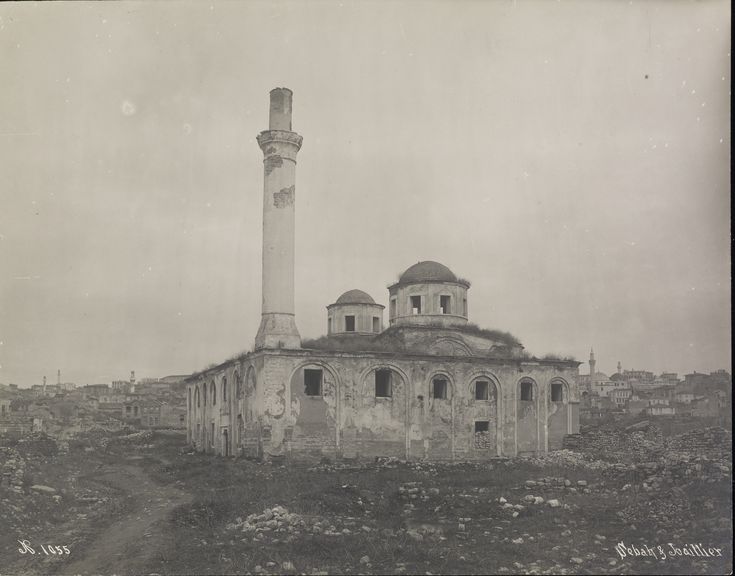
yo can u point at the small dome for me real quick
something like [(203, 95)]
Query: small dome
[(427, 271), (355, 297)]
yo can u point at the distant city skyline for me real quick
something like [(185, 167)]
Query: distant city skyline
[(571, 159)]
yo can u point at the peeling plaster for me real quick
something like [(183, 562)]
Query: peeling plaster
[(273, 402), (272, 162), (284, 198)]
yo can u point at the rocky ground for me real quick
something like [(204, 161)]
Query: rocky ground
[(136, 503)]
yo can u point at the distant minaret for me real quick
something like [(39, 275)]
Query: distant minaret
[(58, 377), (132, 381), (280, 146), (44, 385), (592, 362), (620, 367)]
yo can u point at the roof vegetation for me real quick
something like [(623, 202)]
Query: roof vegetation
[(393, 340)]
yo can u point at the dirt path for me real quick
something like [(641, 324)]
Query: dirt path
[(132, 539)]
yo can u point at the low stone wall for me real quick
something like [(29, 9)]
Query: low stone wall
[(714, 443), (644, 443), (615, 444)]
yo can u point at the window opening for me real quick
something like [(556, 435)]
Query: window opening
[(481, 390), (383, 384), (527, 391), (444, 305), (312, 382), (557, 392), (482, 426), (440, 388)]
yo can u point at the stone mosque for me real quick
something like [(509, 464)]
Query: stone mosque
[(430, 385)]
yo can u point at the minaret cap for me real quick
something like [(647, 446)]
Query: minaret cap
[(280, 112)]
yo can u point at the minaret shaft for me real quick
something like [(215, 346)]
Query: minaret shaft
[(280, 146), (593, 362)]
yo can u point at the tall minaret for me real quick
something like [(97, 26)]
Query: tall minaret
[(58, 377), (44, 385), (620, 367), (592, 363), (280, 146)]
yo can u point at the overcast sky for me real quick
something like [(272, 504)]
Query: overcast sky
[(570, 158)]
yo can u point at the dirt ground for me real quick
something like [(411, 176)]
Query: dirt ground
[(149, 507)]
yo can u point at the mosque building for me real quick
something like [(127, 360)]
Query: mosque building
[(430, 385)]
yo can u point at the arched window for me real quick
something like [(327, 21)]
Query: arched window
[(383, 383), (439, 388), (224, 389), (214, 393), (204, 395), (312, 382), (189, 398), (557, 391), (526, 391), (238, 384), (196, 397), (251, 382)]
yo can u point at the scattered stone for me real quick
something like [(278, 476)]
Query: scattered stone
[(41, 488)]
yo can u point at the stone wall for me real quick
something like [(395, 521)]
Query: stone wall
[(648, 443), (268, 412)]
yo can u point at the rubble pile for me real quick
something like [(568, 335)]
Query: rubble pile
[(654, 475), (556, 483), (142, 437), (98, 437), (278, 521), (13, 470), (37, 444), (415, 491), (671, 507), (570, 458)]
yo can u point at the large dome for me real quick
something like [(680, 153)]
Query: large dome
[(355, 297), (427, 271)]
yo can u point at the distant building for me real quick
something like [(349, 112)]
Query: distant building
[(660, 410), (598, 382), (701, 383), (5, 401), (121, 386), (635, 407), (654, 401), (143, 412), (620, 396), (173, 415), (96, 390), (685, 397)]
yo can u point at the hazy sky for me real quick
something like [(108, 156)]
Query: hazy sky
[(570, 158)]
